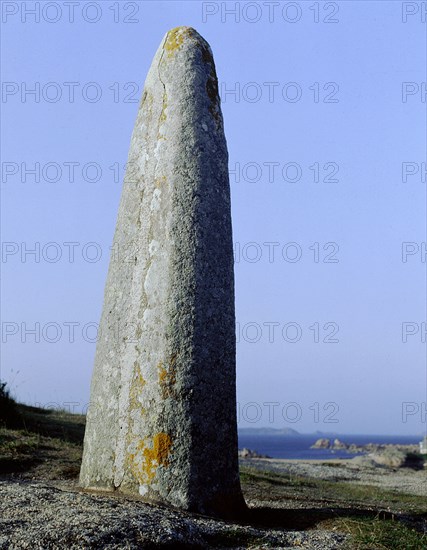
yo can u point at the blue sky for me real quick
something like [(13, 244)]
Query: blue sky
[(318, 126)]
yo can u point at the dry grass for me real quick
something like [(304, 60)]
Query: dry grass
[(43, 444), (375, 518)]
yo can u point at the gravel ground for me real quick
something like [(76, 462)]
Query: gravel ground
[(43, 516)]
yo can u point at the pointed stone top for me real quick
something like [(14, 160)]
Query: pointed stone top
[(177, 37), (183, 29)]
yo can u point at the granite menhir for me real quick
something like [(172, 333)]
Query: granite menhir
[(162, 415)]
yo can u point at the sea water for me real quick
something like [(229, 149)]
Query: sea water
[(298, 446)]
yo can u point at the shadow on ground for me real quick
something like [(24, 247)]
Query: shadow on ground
[(309, 518)]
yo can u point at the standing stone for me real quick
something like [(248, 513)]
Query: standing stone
[(162, 418)]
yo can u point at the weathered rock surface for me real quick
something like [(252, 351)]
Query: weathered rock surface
[(40, 516), (162, 419)]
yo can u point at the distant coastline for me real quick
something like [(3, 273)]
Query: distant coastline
[(293, 432), (268, 431)]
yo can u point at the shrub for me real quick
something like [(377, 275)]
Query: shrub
[(8, 410)]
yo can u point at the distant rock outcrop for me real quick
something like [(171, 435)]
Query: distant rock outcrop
[(374, 454), (322, 443), (249, 453), (339, 445), (392, 458)]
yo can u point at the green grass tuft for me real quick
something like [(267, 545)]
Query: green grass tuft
[(377, 534)]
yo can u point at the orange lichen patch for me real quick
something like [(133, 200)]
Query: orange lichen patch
[(167, 377), (148, 457), (162, 444), (175, 38), (162, 372)]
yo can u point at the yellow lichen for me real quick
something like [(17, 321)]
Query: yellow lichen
[(159, 182), (175, 38), (149, 456), (167, 377), (138, 378), (162, 372)]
